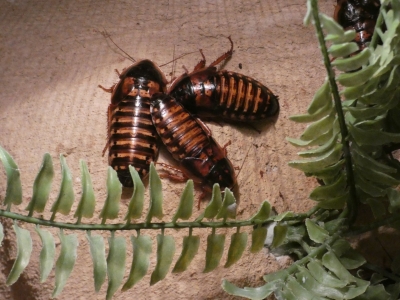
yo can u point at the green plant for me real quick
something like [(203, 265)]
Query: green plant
[(349, 149), (220, 211)]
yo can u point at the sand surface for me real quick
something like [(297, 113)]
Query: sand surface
[(53, 56)]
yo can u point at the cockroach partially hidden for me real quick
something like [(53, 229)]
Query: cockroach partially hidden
[(190, 142), (132, 138), (225, 95), (360, 15)]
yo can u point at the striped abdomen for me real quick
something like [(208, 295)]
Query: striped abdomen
[(190, 143), (226, 95), (133, 139)]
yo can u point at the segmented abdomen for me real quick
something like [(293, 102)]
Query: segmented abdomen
[(243, 98), (227, 95), (178, 130), (190, 143), (133, 139)]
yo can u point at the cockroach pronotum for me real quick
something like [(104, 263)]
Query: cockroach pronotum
[(360, 15), (226, 95), (190, 142), (132, 138)]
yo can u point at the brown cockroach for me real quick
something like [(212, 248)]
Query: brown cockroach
[(190, 142), (132, 139), (360, 15), (225, 95)]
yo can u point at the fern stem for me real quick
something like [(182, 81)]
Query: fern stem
[(352, 202), (289, 220), (132, 226), (305, 246)]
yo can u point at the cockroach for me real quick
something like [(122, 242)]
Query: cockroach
[(190, 142), (207, 92), (360, 15), (132, 139)]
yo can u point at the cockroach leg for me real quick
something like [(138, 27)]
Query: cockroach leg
[(224, 57), (108, 90), (204, 126), (105, 149), (172, 79), (205, 190), (201, 197), (174, 177), (186, 70), (170, 173), (224, 147), (202, 63)]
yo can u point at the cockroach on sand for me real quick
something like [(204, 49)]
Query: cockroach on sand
[(190, 142), (132, 138), (225, 95)]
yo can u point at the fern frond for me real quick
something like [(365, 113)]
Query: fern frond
[(348, 149), (112, 265)]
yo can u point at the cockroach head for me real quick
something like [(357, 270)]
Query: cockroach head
[(147, 69)]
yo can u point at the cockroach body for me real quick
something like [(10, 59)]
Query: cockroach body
[(191, 144), (360, 15), (226, 95), (132, 138)]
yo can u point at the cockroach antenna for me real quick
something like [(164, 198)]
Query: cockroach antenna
[(175, 59), (107, 35), (173, 64)]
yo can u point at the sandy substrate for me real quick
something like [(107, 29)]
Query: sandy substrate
[(53, 56)]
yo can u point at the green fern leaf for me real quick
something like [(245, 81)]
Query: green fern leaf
[(98, 254), (42, 186), (236, 248), (185, 208), (24, 250), (155, 209), (115, 263), (47, 253), (165, 254), (87, 203), (66, 261), (215, 248), (135, 207), (141, 260), (66, 195), (14, 187), (114, 189), (190, 248)]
